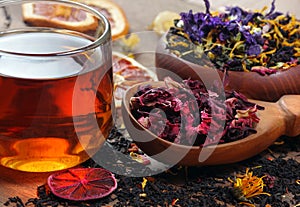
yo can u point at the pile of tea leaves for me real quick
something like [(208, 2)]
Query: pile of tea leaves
[(278, 167)]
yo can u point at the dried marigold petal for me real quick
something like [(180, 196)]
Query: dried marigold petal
[(249, 186)]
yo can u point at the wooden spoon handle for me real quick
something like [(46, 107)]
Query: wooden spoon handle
[(290, 105)]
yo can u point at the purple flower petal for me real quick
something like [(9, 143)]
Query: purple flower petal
[(272, 8), (254, 50), (207, 6), (237, 12)]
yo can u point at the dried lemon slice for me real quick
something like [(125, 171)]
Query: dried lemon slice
[(163, 21)]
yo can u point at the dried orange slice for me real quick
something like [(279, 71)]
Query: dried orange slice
[(45, 14), (55, 15), (81, 184), (127, 72), (114, 13)]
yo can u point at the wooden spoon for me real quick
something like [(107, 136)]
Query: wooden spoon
[(279, 118)]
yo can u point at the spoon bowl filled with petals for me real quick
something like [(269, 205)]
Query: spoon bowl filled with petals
[(212, 144)]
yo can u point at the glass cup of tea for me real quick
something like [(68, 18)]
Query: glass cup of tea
[(56, 87)]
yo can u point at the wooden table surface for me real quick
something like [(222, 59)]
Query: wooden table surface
[(140, 14)]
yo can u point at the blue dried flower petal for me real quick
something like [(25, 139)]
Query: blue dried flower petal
[(272, 8), (232, 25), (216, 22), (232, 63), (236, 12), (207, 6), (274, 15), (199, 18), (200, 35), (224, 35), (254, 50), (247, 35), (249, 17), (217, 50), (259, 38), (187, 18)]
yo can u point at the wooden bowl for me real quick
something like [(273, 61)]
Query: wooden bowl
[(253, 85), (280, 118)]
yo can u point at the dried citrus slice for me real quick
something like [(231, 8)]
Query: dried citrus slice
[(43, 14), (114, 13), (80, 184), (127, 72), (163, 21), (56, 15)]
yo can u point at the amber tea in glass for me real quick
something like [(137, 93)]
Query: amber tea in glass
[(55, 89)]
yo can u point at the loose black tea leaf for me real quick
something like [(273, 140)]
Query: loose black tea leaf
[(198, 186)]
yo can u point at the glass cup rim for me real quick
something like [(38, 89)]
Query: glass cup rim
[(105, 36)]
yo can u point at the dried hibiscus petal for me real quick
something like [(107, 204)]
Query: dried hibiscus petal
[(182, 113)]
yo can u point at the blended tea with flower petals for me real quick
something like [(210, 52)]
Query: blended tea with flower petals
[(238, 40)]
